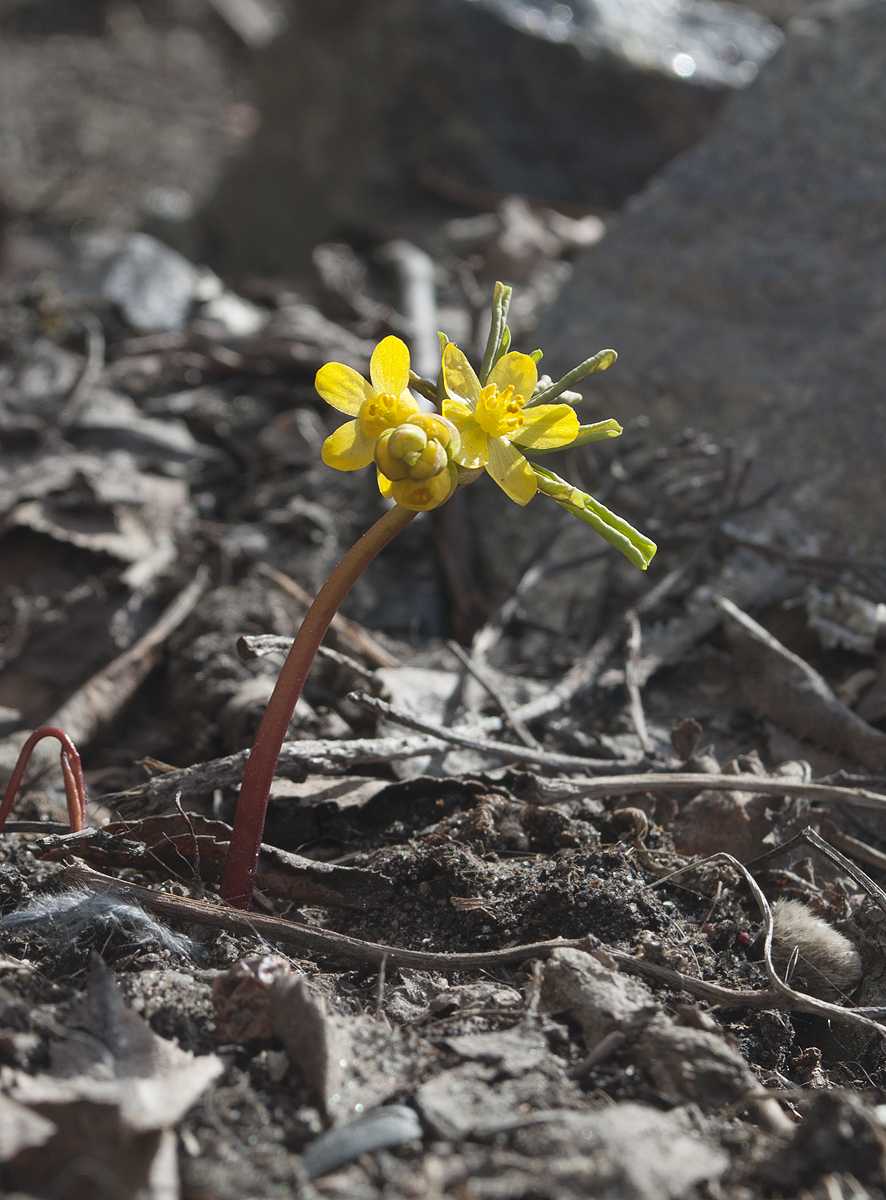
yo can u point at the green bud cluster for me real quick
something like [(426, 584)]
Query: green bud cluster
[(415, 459)]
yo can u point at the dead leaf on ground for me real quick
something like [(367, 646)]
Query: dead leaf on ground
[(113, 1094)]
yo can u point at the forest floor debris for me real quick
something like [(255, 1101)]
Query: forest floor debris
[(491, 957)]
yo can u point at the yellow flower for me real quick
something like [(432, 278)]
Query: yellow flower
[(383, 404), (491, 418)]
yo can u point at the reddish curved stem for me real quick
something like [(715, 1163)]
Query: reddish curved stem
[(72, 770), (238, 877)]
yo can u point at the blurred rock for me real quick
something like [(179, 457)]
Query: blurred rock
[(745, 289), (359, 99), (154, 285), (131, 114), (718, 44)]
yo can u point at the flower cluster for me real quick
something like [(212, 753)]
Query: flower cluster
[(488, 421)]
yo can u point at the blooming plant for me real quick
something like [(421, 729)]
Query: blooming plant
[(490, 421)]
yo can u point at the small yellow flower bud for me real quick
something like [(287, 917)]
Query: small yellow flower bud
[(430, 462), (407, 443), (391, 467), (421, 495), (418, 450), (440, 429)]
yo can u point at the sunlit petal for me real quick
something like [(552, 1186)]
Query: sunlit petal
[(515, 369), (474, 442), (511, 471), (342, 387), (459, 378), (547, 426), (384, 485), (348, 449), (389, 368)]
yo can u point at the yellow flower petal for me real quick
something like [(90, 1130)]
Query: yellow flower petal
[(517, 370), (342, 387), (389, 368), (473, 451), (546, 426), (511, 471), (459, 379), (348, 449), (384, 485)]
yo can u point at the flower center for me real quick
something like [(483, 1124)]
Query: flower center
[(384, 411), (500, 414)]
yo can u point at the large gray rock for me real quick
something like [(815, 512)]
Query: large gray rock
[(745, 290), (361, 101)]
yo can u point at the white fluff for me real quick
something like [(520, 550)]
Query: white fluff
[(64, 916), (826, 961)]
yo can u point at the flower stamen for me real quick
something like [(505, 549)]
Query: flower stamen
[(384, 411), (500, 414)]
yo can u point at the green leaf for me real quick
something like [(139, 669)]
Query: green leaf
[(501, 300), (504, 345), (537, 356), (638, 549), (586, 433), (618, 532), (601, 361)]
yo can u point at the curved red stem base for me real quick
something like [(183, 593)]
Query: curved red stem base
[(72, 770)]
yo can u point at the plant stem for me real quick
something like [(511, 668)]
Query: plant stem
[(238, 877), (75, 788)]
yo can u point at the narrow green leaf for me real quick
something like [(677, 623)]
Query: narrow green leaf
[(618, 532), (537, 356), (504, 345), (601, 361), (638, 549), (501, 300)]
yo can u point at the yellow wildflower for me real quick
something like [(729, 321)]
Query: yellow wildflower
[(383, 404), (492, 422), (413, 450)]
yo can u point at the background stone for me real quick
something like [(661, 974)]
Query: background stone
[(745, 290), (359, 100)]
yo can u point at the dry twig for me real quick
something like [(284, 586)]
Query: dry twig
[(338, 945), (506, 750), (296, 760), (353, 637)]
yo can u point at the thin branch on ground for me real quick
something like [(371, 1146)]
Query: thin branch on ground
[(485, 680), (505, 750), (638, 717), (297, 759), (339, 945), (679, 781)]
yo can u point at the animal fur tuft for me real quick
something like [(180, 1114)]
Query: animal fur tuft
[(827, 962)]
